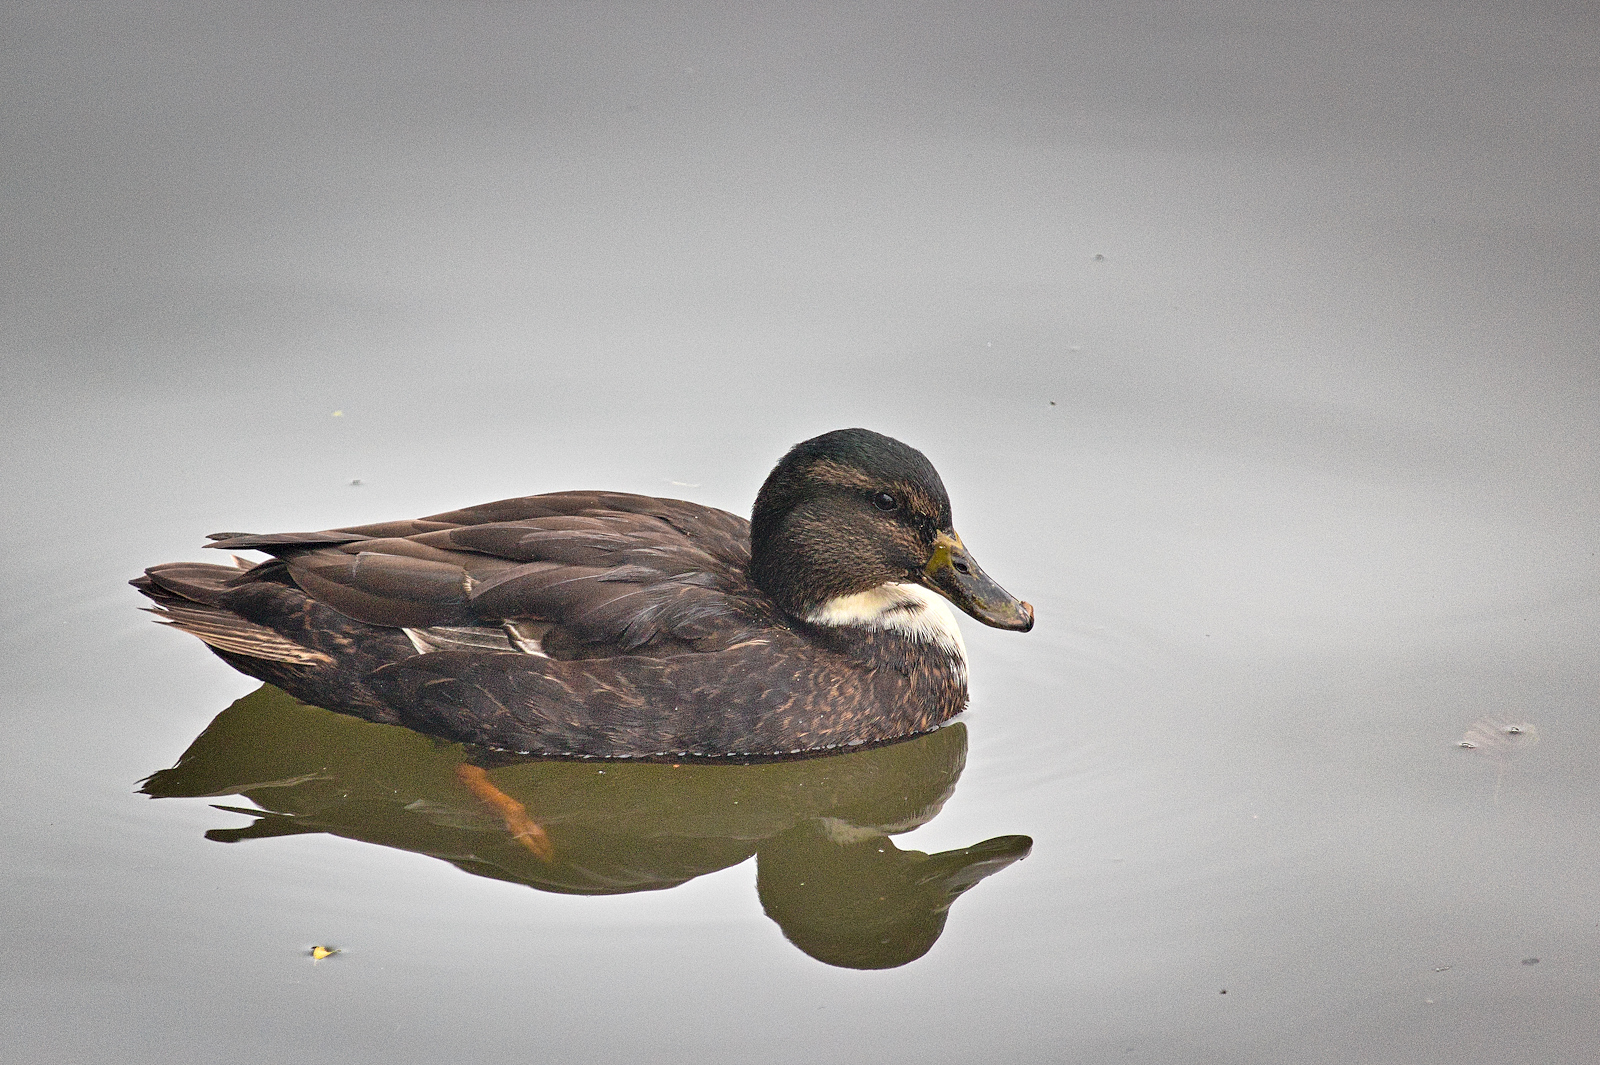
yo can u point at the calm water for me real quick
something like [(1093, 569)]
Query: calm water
[(1255, 345)]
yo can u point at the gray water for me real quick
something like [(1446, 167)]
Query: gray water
[(1256, 344)]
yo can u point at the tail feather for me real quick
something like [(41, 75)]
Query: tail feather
[(228, 632), (186, 596)]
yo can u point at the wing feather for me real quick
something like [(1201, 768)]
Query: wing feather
[(609, 573)]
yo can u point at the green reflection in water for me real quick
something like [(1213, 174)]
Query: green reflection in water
[(826, 870)]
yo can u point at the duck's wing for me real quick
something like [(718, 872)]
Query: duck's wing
[(575, 574)]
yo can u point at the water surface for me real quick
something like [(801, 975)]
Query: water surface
[(1254, 344)]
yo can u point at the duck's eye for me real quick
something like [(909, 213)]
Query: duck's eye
[(885, 502)]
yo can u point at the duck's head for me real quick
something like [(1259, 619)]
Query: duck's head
[(853, 512)]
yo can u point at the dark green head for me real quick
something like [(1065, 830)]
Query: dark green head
[(851, 510)]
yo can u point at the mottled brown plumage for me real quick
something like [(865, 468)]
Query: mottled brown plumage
[(607, 625)]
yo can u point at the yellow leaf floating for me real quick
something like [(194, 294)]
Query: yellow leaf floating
[(320, 952)]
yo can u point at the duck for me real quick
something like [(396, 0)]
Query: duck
[(589, 624)]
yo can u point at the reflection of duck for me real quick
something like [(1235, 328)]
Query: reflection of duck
[(599, 624), (819, 827)]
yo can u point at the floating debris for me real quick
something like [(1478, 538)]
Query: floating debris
[(1530, 961), (1500, 741), (319, 952), (1505, 737)]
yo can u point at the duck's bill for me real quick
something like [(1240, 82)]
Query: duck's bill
[(954, 574)]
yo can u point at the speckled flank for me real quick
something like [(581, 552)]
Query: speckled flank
[(711, 670)]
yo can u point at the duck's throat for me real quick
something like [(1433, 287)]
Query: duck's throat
[(907, 610)]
